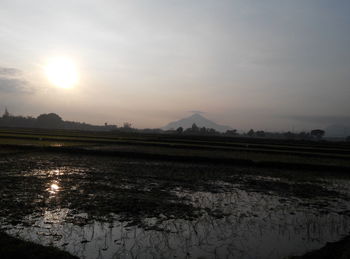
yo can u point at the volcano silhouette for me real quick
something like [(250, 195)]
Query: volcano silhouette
[(199, 120)]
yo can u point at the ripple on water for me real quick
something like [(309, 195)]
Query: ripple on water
[(238, 224)]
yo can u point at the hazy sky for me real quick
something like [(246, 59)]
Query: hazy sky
[(271, 64)]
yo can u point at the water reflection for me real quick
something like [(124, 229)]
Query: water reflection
[(254, 226), (239, 219), (54, 187), (56, 172), (57, 145)]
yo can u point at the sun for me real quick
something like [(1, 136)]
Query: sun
[(62, 72)]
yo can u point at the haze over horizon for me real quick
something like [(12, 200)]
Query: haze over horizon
[(272, 65)]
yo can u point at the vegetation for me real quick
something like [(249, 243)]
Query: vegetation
[(48, 121), (138, 175), (224, 149), (54, 121), (317, 133)]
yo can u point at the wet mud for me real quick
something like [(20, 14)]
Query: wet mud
[(109, 206)]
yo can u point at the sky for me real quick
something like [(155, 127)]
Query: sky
[(272, 65)]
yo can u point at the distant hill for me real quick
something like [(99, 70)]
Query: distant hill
[(199, 120)]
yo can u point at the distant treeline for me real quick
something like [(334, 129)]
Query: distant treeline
[(54, 121), (315, 134), (48, 121)]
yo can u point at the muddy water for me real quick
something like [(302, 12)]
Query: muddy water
[(230, 214)]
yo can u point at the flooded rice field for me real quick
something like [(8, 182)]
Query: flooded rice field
[(108, 207)]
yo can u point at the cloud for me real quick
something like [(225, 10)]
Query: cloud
[(12, 82), (13, 85), (9, 71)]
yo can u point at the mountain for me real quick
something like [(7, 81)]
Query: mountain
[(199, 120)]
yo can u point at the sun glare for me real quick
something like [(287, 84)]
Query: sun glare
[(62, 72), (54, 187)]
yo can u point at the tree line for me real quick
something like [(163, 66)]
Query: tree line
[(48, 121), (316, 134), (54, 121)]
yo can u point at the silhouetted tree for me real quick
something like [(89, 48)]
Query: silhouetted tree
[(251, 133), (260, 133), (304, 135), (231, 132), (212, 131), (51, 120), (348, 139), (317, 133), (127, 125), (203, 130), (289, 135), (194, 128), (17, 121), (179, 130)]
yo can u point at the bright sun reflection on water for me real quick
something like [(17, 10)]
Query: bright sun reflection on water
[(54, 188)]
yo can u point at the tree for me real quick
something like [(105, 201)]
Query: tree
[(212, 131), (289, 135), (179, 130), (260, 133), (231, 132), (127, 125), (203, 130), (194, 128), (51, 120), (251, 133), (317, 133), (303, 135)]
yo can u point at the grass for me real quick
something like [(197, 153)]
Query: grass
[(189, 148)]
